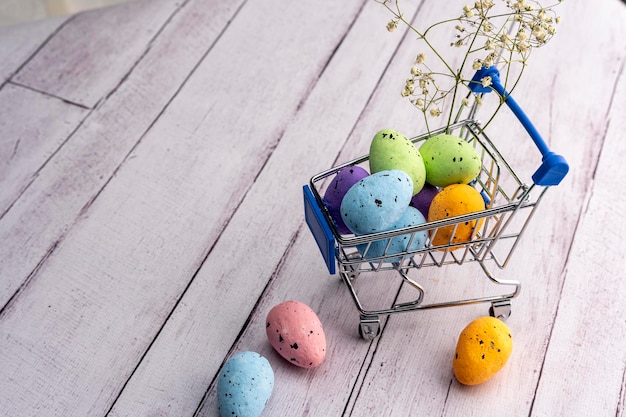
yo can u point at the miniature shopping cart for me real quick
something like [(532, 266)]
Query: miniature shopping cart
[(509, 205)]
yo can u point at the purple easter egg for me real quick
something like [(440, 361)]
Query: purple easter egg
[(345, 178), (422, 200)]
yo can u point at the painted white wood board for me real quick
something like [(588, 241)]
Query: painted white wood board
[(588, 340), (168, 176), (50, 205), (259, 233), (406, 363), (19, 42), (33, 127), (106, 44)]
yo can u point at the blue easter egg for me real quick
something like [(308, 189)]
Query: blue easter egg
[(399, 244), (244, 385), (376, 202)]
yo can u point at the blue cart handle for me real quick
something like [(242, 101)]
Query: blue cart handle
[(553, 167)]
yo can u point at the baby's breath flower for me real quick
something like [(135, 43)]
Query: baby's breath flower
[(435, 112), (523, 46), (539, 34), (541, 14), (489, 60), (485, 36)]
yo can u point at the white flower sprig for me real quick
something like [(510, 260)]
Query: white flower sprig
[(502, 34)]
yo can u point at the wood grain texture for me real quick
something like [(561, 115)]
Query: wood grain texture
[(150, 242), (19, 42), (183, 152), (261, 234), (47, 209), (589, 336), (99, 59), (34, 126)]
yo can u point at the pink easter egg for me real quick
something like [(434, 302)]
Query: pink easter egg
[(296, 333)]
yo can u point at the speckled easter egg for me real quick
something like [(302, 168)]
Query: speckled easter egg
[(296, 333), (422, 200), (244, 385), (376, 202), (455, 200), (399, 244), (392, 150), (483, 348), (449, 159), (339, 186)]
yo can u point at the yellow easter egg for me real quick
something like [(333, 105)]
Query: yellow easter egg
[(455, 200), (483, 348)]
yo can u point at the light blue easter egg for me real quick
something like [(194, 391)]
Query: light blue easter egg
[(399, 244), (244, 385), (376, 202)]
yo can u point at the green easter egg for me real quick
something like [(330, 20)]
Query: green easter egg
[(449, 159), (391, 150)]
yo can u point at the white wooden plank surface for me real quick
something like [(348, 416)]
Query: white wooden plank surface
[(260, 232), (33, 128), (43, 214), (142, 255), (99, 59), (588, 340), (19, 42), (141, 226)]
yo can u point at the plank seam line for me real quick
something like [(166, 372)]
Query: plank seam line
[(445, 401), (331, 56), (37, 50), (622, 396), (253, 311), (145, 52), (26, 282), (607, 115), (35, 175), (581, 213), (377, 85), (355, 393), (224, 226), (47, 94), (273, 145)]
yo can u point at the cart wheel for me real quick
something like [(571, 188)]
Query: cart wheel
[(369, 328), (500, 309)]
